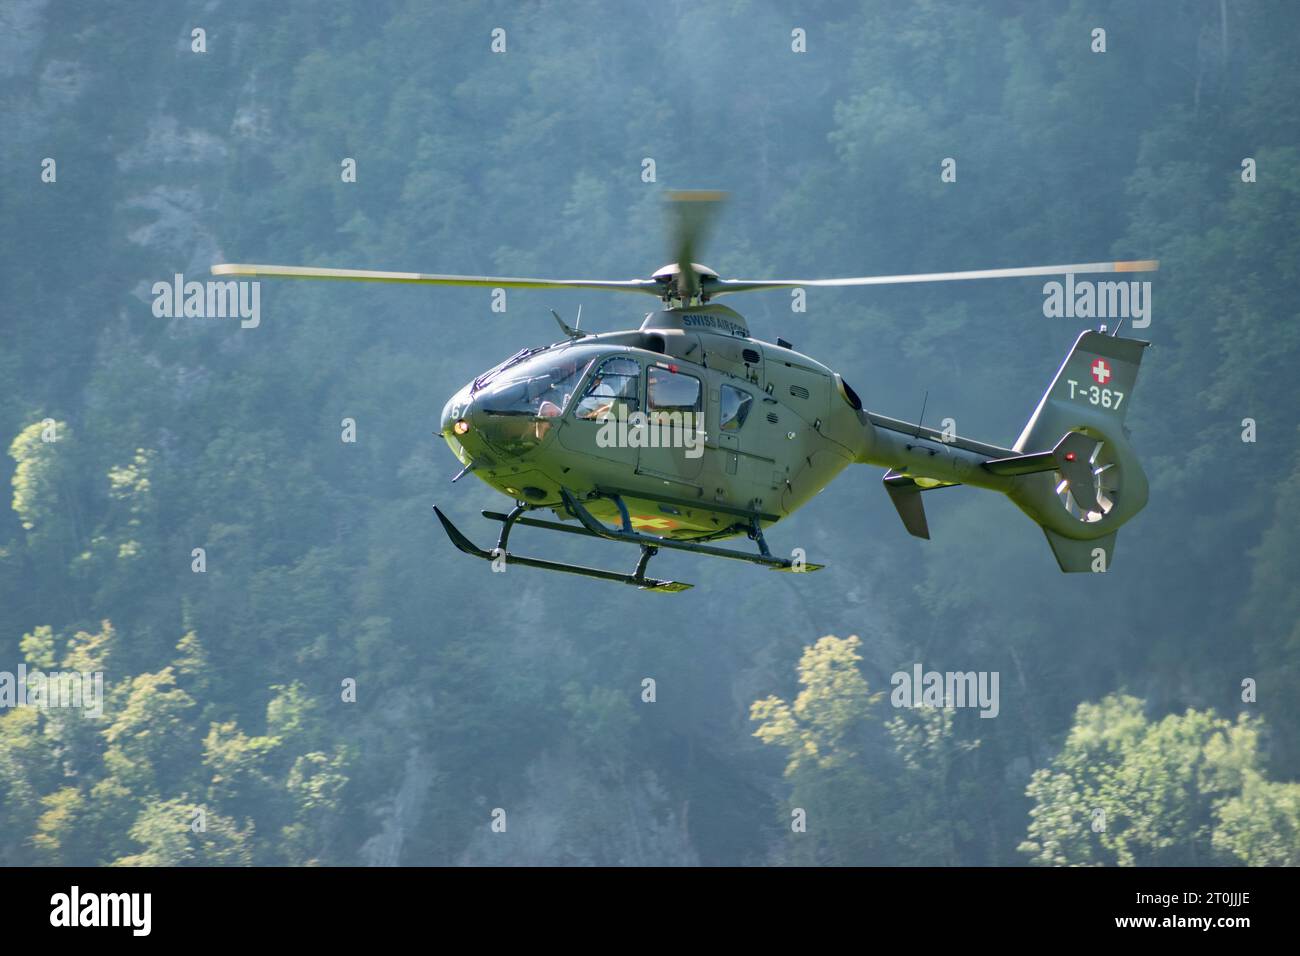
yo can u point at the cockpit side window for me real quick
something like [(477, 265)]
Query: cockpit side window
[(734, 408), (614, 389), (672, 397), (670, 391)]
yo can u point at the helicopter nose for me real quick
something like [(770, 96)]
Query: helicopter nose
[(457, 426), (459, 408)]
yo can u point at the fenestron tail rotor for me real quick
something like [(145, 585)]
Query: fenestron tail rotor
[(1105, 479)]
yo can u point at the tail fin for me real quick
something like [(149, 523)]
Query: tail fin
[(1094, 555), (1096, 378), (1081, 505)]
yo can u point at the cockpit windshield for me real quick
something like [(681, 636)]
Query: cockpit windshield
[(538, 387)]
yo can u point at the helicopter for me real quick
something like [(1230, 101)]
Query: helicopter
[(688, 430)]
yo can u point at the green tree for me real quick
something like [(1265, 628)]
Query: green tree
[(167, 830), (938, 791), (823, 733), (150, 741), (1179, 791), (1261, 826), (45, 490), (29, 769), (56, 830), (316, 784)]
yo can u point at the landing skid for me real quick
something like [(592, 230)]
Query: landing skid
[(592, 527), (637, 578)]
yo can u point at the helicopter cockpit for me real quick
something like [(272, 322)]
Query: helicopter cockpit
[(510, 409), (538, 387)]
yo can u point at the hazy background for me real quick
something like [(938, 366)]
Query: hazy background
[(522, 691)]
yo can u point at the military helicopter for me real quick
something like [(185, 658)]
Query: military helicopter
[(688, 430)]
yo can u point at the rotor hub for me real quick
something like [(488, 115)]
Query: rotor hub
[(688, 289)]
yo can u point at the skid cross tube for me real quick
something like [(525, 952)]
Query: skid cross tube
[(637, 578), (599, 530)]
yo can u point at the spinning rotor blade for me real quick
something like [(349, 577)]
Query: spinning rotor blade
[(693, 212), (365, 275), (721, 286)]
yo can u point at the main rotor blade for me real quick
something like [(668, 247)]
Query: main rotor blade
[(365, 275), (693, 213), (722, 286)]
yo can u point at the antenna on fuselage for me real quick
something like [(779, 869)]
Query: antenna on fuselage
[(925, 401)]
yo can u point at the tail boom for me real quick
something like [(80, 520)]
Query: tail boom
[(1072, 470)]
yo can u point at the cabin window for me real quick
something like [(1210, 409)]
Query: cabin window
[(669, 391), (734, 408), (614, 389)]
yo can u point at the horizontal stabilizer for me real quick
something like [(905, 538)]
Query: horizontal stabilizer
[(1073, 447), (1072, 457)]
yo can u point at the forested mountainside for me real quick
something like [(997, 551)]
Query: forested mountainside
[(339, 686)]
